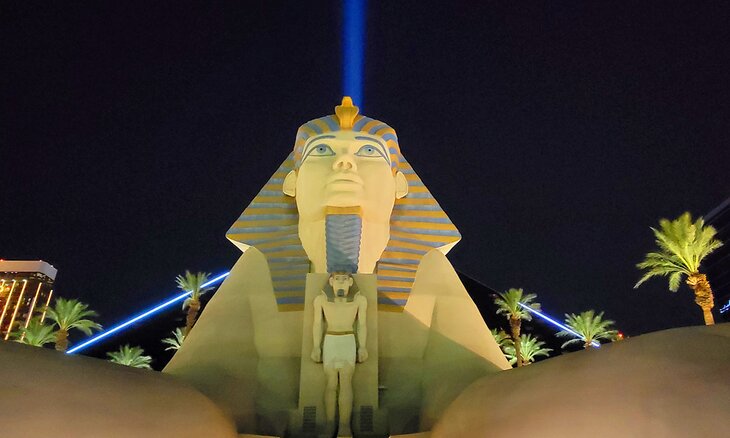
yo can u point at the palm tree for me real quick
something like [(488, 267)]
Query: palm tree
[(530, 348), (175, 342), (683, 245), (70, 314), (36, 334), (589, 326), (511, 304), (192, 283), (131, 357)]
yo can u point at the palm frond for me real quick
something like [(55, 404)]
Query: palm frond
[(130, 356), (674, 280), (501, 337), (36, 334), (69, 314), (571, 341), (176, 341)]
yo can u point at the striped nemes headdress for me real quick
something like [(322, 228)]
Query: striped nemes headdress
[(417, 225), (346, 118)]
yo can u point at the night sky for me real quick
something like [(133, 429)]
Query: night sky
[(132, 135)]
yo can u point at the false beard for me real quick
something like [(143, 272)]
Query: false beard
[(343, 234)]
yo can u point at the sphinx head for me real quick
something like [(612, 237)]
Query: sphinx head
[(345, 163), (344, 191)]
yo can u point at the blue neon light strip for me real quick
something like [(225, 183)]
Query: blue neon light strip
[(725, 308), (142, 316), (220, 278), (556, 323), (353, 43)]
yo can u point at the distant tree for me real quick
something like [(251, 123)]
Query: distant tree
[(590, 327), (175, 342), (510, 304), (70, 314), (192, 283), (682, 245), (36, 334), (530, 349), (131, 357)]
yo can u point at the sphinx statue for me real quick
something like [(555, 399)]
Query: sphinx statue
[(344, 200)]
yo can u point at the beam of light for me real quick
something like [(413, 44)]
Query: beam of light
[(353, 43), (557, 324), (142, 316)]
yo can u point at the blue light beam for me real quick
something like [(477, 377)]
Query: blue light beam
[(557, 324), (353, 53), (142, 316)]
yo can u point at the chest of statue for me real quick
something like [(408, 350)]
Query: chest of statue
[(340, 315)]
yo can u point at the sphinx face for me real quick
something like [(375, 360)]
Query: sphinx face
[(345, 169)]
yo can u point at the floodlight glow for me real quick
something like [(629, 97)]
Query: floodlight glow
[(353, 42), (142, 316), (556, 323)]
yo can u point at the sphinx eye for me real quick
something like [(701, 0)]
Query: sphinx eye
[(369, 151), (321, 150)]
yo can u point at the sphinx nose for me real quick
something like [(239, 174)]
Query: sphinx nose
[(344, 162)]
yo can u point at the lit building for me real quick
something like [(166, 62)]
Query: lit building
[(25, 286), (717, 264)]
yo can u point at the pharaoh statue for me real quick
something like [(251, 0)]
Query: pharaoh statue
[(339, 350), (344, 200)]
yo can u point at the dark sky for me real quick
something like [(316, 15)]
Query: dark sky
[(554, 134)]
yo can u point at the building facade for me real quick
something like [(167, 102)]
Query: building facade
[(26, 287), (717, 264)]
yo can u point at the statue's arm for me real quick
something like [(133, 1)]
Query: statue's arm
[(317, 330), (362, 329)]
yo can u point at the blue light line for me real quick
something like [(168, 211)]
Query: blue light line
[(353, 43), (219, 278), (142, 316), (556, 323), (725, 308)]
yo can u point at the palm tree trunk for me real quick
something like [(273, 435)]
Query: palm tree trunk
[(61, 340), (193, 309), (514, 325), (703, 295)]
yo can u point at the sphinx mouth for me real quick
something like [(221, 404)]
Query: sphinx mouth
[(345, 178)]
